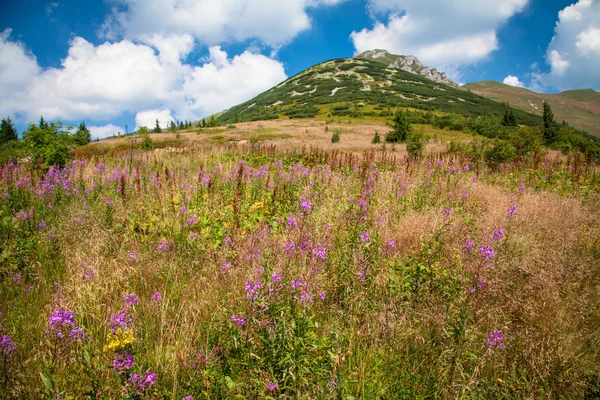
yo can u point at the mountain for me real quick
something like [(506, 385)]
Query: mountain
[(408, 64), (370, 84), (580, 108)]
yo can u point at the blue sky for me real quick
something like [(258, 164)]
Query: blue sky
[(113, 63)]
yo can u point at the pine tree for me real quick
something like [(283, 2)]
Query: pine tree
[(376, 138), (157, 128), (83, 135), (7, 131), (43, 124), (402, 128), (509, 118), (203, 123), (548, 125), (172, 127)]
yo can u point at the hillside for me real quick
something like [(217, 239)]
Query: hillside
[(580, 108), (371, 84)]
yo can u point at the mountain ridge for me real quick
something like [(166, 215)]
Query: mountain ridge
[(580, 108)]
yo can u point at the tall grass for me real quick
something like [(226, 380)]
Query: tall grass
[(227, 274)]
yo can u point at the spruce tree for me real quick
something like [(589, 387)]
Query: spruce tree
[(402, 128), (157, 128), (548, 124), (7, 131), (83, 135)]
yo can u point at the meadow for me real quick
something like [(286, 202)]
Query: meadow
[(241, 271)]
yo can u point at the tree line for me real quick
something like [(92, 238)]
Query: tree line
[(44, 143)]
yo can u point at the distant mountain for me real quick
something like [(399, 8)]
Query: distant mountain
[(580, 108), (373, 83), (408, 64)]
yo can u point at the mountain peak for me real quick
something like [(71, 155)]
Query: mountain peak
[(407, 63)]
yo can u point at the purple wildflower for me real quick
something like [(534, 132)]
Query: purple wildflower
[(120, 321), (156, 297), (187, 398), (163, 246), (225, 267), (306, 205), (447, 212), (496, 340), (452, 170), (466, 168), (123, 361), (522, 188), (276, 277), (322, 295), (239, 320), (42, 225), (193, 236), (16, 278), (391, 244), (89, 275), (487, 252), (498, 235), (468, 246), (227, 241), (133, 256), (61, 319), (512, 210), (143, 381), (465, 196), (77, 334), (320, 253), (271, 386), (183, 209), (291, 221), (364, 237), (252, 289), (131, 300), (6, 345), (306, 298), (297, 283), (474, 178), (192, 220)]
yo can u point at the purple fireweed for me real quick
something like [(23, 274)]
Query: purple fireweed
[(139, 381), (306, 205), (225, 267), (292, 223), (276, 277), (131, 300), (6, 345), (320, 253), (364, 237), (474, 178), (121, 320), (522, 188), (511, 210), (498, 235), (452, 170), (468, 246), (156, 297), (192, 220), (183, 209), (391, 244), (16, 278), (496, 340), (163, 246), (187, 398), (77, 334), (42, 225), (487, 252), (296, 283), (271, 386), (252, 289), (465, 196), (132, 256), (447, 212), (306, 298), (239, 320), (61, 319), (466, 168), (123, 362)]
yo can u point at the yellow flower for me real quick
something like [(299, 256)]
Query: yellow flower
[(500, 380), (120, 338), (256, 206), (205, 196)]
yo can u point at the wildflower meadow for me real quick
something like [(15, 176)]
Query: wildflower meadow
[(230, 272)]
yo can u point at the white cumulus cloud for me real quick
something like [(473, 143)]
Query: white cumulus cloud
[(148, 118), (212, 22), (441, 33), (101, 132), (101, 82), (574, 52), (513, 81)]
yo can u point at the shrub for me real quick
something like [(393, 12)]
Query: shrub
[(147, 143), (402, 128), (335, 138), (376, 138), (415, 143), (502, 151)]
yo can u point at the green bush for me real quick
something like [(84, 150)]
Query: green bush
[(376, 138), (147, 143), (415, 143), (402, 128), (335, 138), (502, 151)]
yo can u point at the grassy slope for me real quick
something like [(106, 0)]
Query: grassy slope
[(369, 82), (580, 108)]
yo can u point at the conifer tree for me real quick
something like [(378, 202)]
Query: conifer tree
[(83, 135), (7, 131), (548, 124), (157, 127)]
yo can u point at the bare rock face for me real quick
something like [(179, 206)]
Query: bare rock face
[(409, 64)]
